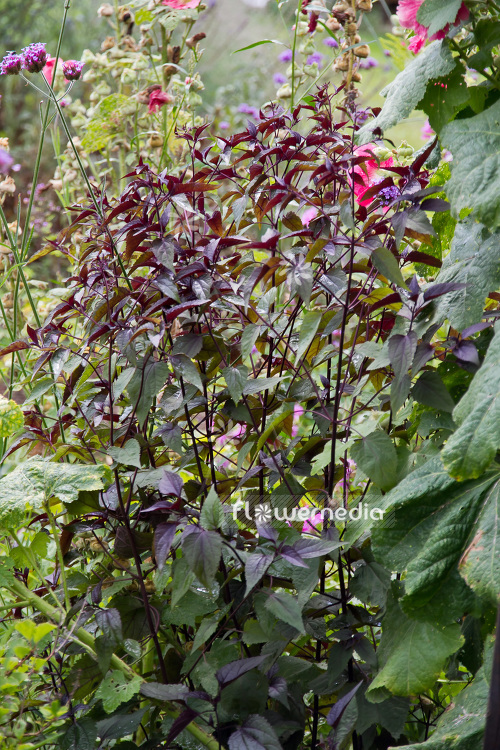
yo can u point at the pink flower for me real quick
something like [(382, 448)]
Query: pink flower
[(311, 525), (181, 4), (72, 70), (34, 57), (367, 171), (298, 411), (309, 215), (407, 14), (426, 131), (157, 99), (48, 70)]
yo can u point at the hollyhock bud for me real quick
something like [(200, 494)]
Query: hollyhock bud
[(11, 64), (105, 10), (72, 70), (35, 57)]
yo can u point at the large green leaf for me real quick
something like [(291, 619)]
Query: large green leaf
[(411, 654), (474, 261), (31, 485), (408, 88), (436, 14), (116, 689), (475, 174), (473, 446), (376, 456), (11, 417), (461, 727), (435, 520)]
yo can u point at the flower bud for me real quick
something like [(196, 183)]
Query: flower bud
[(362, 51), (105, 10), (35, 57), (128, 76), (11, 64), (284, 92), (155, 140), (72, 69), (332, 24)]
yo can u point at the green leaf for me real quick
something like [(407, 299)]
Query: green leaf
[(80, 735), (308, 329), (128, 455), (11, 417), (430, 390), (436, 14), (116, 689), (32, 484), (212, 514), (255, 734), (408, 88), (106, 122), (376, 456), (444, 98), (461, 726), (185, 368), (235, 378), (411, 654), (286, 607), (257, 44), (145, 385), (474, 444), (385, 262), (202, 550), (371, 583), (434, 521), (248, 338), (257, 385), (473, 261), (475, 173)]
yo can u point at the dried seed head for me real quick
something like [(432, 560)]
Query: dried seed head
[(105, 10), (362, 51)]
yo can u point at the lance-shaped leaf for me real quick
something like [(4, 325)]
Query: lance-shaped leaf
[(255, 734), (408, 88), (202, 550), (256, 565), (236, 378), (475, 177), (434, 520), (473, 446), (474, 262), (32, 484)]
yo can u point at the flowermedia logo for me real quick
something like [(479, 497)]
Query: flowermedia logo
[(264, 513)]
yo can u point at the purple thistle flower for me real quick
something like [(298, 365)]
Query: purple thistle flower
[(224, 125), (330, 42), (11, 64), (246, 109), (286, 56), (369, 62), (35, 57), (72, 69), (316, 57), (279, 79), (388, 194)]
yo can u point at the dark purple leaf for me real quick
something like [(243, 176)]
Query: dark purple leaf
[(474, 329), (230, 672), (337, 710), (180, 724), (466, 351), (164, 536), (171, 484), (435, 204), (437, 290)]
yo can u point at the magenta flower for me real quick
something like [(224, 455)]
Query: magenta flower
[(11, 64), (426, 131), (158, 99), (72, 70), (407, 14), (35, 57), (6, 160), (181, 4), (367, 173), (308, 215), (48, 70), (311, 525)]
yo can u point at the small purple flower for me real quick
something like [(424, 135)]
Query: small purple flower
[(330, 42), (72, 69), (6, 160), (246, 109), (316, 57), (388, 194), (286, 56), (224, 125), (362, 116), (387, 53), (279, 79), (35, 57), (369, 62), (11, 64)]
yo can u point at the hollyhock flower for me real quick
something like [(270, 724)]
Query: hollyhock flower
[(309, 215), (35, 57), (158, 99), (48, 70), (285, 56), (181, 4), (311, 525), (407, 14), (279, 79), (11, 64), (368, 172), (72, 70), (298, 411)]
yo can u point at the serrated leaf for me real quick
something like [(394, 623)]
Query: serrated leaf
[(475, 174), (128, 455), (212, 514), (11, 417), (474, 261), (408, 88), (235, 378), (32, 484), (436, 14), (474, 444), (116, 689), (286, 607), (256, 566), (385, 262)]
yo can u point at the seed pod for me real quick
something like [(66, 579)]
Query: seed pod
[(155, 141), (351, 28), (150, 586), (362, 51), (365, 5), (356, 77), (332, 24), (121, 563), (105, 10), (342, 62), (108, 43), (193, 40), (341, 7)]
